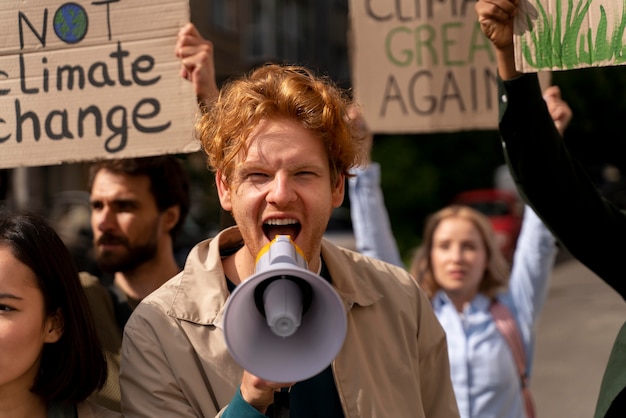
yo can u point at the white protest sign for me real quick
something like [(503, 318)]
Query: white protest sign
[(422, 66), (562, 35), (84, 80)]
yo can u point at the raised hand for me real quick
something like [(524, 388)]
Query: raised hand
[(559, 110), (259, 393), (496, 21), (361, 129), (196, 55)]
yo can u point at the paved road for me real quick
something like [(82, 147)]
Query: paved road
[(574, 338)]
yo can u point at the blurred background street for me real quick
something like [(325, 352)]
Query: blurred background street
[(421, 172), (575, 334)]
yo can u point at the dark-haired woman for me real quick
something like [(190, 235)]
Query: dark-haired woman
[(50, 356)]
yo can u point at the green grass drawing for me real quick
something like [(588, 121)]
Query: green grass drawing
[(566, 45)]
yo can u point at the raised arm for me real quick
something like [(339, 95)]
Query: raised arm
[(536, 247), (532, 266), (370, 220), (197, 64), (496, 21), (550, 180)]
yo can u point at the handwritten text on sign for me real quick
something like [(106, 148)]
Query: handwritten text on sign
[(93, 79), (422, 66)]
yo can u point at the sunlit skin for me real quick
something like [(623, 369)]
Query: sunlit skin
[(24, 329), (282, 187), (131, 237), (459, 259)]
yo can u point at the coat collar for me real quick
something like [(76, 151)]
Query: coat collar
[(480, 303), (347, 270), (200, 290)]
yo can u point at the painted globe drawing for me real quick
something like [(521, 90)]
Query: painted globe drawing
[(70, 23)]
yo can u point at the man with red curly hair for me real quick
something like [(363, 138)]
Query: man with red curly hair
[(281, 147)]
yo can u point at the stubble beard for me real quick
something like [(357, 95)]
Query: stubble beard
[(133, 257)]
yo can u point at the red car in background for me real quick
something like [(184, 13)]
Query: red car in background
[(504, 210)]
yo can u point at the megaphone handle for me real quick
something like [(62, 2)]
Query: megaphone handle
[(281, 404)]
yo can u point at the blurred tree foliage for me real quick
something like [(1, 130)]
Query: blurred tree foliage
[(421, 173), (598, 100)]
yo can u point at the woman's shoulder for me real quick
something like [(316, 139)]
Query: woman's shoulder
[(88, 409)]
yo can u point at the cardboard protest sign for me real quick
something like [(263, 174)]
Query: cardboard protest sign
[(561, 35), (422, 66), (91, 79)]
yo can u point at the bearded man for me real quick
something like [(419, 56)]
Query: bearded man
[(138, 205)]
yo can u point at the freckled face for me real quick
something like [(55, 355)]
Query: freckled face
[(282, 187), (458, 258), (24, 327)]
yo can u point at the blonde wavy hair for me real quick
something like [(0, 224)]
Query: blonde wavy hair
[(278, 91), (496, 277)]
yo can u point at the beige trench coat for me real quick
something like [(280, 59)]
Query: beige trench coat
[(393, 363)]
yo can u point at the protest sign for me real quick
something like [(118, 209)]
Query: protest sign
[(94, 79), (562, 35), (422, 66)]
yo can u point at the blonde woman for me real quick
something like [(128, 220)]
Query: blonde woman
[(464, 273)]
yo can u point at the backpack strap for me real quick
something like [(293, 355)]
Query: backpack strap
[(505, 323)]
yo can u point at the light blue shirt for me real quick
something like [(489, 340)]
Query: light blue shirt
[(484, 375), (370, 221)]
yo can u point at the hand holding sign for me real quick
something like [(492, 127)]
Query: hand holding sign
[(87, 80), (196, 55), (496, 21)]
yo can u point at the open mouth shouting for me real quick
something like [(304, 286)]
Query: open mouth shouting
[(287, 226)]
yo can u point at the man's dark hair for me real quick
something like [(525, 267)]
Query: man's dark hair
[(169, 181)]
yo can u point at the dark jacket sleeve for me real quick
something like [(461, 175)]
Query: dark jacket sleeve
[(557, 186)]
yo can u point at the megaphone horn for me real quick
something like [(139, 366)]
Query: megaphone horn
[(285, 323)]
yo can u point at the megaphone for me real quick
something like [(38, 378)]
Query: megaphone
[(284, 323)]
